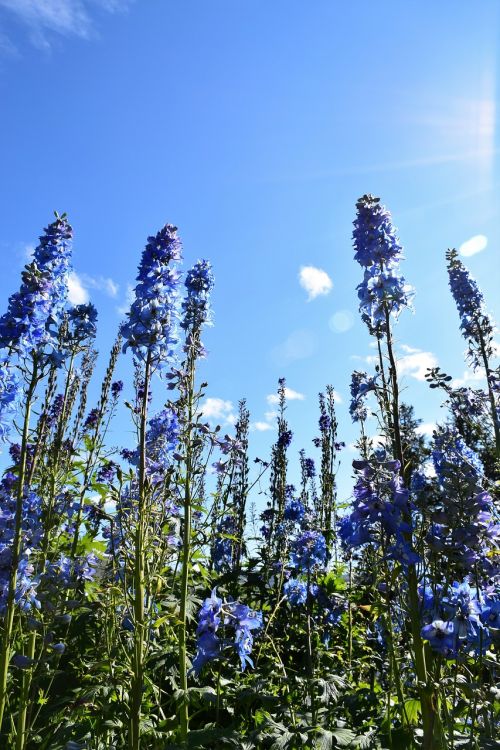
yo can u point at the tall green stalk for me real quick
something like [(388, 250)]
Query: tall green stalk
[(186, 550), (431, 721), (23, 724), (139, 585)]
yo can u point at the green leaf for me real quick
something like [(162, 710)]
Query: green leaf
[(413, 710)]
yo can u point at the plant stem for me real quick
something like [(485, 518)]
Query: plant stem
[(431, 722), (186, 553), (139, 620)]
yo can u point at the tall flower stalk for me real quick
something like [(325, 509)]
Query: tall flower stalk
[(478, 329), (196, 313), (28, 332), (383, 293), (150, 332)]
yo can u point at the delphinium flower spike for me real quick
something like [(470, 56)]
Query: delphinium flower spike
[(151, 327), (34, 312), (150, 331), (378, 251), (478, 329)]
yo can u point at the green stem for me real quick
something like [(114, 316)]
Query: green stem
[(16, 549), (310, 655), (431, 721), (139, 586), (22, 725), (186, 555)]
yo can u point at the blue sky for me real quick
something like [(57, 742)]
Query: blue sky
[(254, 127)]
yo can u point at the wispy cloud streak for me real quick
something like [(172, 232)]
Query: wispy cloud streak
[(64, 17)]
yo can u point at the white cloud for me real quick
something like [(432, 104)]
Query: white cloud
[(469, 376), (270, 415), (370, 359), (64, 17), (79, 284), (290, 395), (426, 428), (416, 364), (315, 281), (261, 426), (77, 294), (300, 344), (409, 349), (338, 398), (473, 245), (341, 321), (102, 284), (218, 409)]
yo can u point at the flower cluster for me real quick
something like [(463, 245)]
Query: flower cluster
[(26, 585), (463, 527), (294, 510), (196, 306), (380, 514), (82, 323), (222, 549), (10, 395), (474, 320), (295, 591), (377, 249), (463, 619), (162, 438), (216, 613), (68, 573), (152, 321), (34, 312), (361, 385), (309, 551)]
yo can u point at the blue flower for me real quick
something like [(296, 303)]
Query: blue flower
[(222, 549), (309, 551), (244, 642), (34, 313), (463, 528), (82, 321), (361, 385), (285, 439), (208, 647), (196, 306), (27, 583), (441, 636), (294, 510), (10, 396), (378, 251), (152, 320), (239, 617), (116, 388), (295, 591), (374, 235), (474, 320)]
